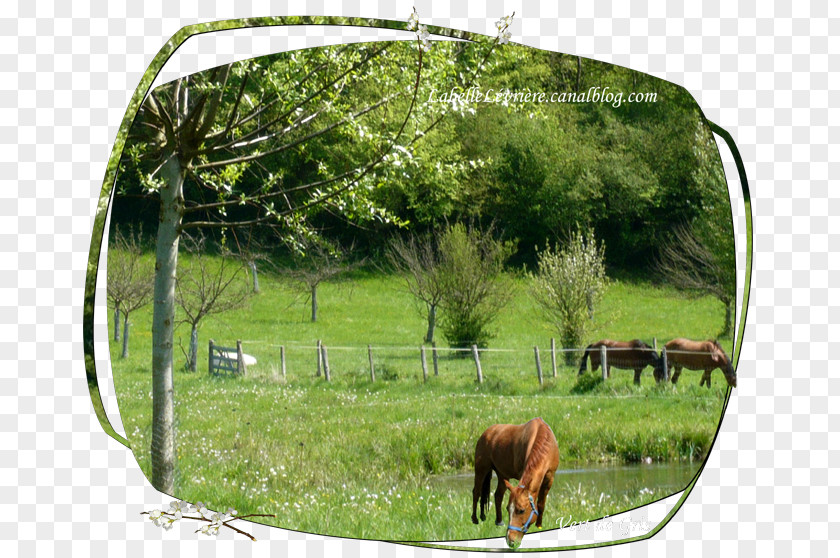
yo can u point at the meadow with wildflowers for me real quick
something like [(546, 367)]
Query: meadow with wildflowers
[(359, 458)]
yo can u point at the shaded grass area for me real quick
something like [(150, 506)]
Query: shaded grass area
[(361, 459)]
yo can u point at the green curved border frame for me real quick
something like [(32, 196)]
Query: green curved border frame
[(103, 203)]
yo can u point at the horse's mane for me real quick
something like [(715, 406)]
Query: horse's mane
[(540, 448), (718, 347), (639, 344)]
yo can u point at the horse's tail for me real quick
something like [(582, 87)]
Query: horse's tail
[(583, 360), (485, 491)]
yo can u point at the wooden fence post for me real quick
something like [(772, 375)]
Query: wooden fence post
[(477, 364), (553, 357), (320, 358), (240, 360), (326, 360), (423, 363), (210, 359), (604, 362), (283, 360), (370, 360), (654, 344), (665, 364), (435, 357), (539, 364)]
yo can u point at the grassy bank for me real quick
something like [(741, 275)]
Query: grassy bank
[(363, 459)]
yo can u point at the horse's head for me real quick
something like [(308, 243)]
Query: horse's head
[(658, 364), (725, 365), (522, 514)]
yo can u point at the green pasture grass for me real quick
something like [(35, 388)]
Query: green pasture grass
[(365, 459)]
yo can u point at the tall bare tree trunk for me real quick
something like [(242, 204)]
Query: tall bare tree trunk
[(253, 266), (430, 332), (116, 323), (193, 349), (125, 338), (163, 324)]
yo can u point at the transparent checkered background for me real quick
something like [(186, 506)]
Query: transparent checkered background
[(768, 74)]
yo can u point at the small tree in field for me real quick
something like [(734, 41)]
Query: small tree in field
[(700, 259), (568, 285), (206, 286), (474, 287), (418, 260), (316, 261), (130, 281)]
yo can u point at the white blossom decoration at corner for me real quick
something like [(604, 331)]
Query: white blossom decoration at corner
[(213, 520), (502, 26), (421, 31)]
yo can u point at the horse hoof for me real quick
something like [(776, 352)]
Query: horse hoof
[(475, 520), (500, 524)]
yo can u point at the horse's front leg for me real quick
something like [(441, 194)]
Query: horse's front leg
[(637, 379), (676, 375), (548, 480), (706, 379), (476, 497), (482, 469), (500, 496)]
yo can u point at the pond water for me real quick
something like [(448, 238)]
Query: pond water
[(611, 479)]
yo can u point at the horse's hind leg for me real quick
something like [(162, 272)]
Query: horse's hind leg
[(500, 496), (676, 375)]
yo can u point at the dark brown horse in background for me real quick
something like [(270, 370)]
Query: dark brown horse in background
[(527, 452), (699, 355), (628, 355)]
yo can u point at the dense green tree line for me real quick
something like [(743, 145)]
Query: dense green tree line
[(633, 172)]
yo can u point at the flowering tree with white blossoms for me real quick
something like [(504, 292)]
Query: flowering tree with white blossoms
[(569, 284)]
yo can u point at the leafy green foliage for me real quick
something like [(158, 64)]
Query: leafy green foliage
[(474, 286), (568, 285)]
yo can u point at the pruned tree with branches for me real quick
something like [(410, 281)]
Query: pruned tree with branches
[(417, 259), (206, 286), (196, 138), (315, 261), (211, 148), (696, 261)]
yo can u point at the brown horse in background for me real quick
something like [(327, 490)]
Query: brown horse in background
[(527, 452), (699, 355), (628, 355)]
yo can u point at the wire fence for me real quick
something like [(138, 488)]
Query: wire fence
[(430, 358)]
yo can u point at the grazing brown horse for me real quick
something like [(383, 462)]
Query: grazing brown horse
[(527, 452), (699, 355), (628, 355)]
